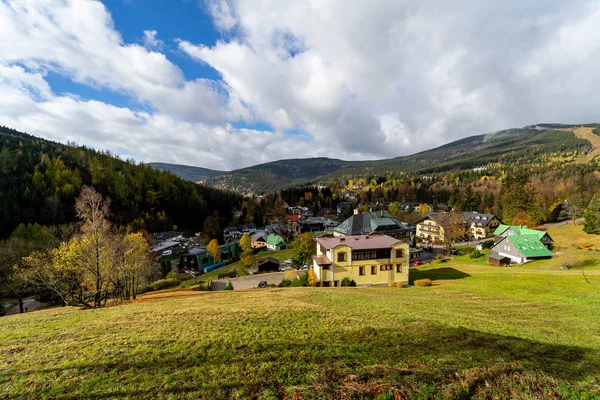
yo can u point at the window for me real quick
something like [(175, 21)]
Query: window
[(398, 267), (341, 257), (382, 267), (373, 269), (373, 255), (399, 253), (361, 270)]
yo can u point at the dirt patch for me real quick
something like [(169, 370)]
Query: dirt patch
[(587, 134)]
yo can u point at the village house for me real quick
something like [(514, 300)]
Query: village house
[(275, 242), (374, 221), (373, 259), (505, 230), (259, 239), (519, 244), (476, 225)]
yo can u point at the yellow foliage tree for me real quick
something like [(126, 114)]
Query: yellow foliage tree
[(213, 249), (312, 278)]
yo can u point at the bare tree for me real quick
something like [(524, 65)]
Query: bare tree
[(93, 210)]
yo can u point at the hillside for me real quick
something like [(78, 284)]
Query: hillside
[(509, 146), (187, 172), (40, 179), (479, 332)]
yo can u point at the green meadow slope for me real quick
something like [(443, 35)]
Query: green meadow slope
[(479, 332)]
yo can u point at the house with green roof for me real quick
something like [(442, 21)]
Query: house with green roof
[(519, 230), (519, 244), (275, 242)]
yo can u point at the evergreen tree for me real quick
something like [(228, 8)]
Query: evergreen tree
[(592, 215)]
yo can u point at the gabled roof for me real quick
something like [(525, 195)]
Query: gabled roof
[(274, 240), (359, 242), (501, 229), (470, 218), (529, 246), (259, 236), (520, 230), (368, 222)]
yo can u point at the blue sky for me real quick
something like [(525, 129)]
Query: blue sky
[(225, 84)]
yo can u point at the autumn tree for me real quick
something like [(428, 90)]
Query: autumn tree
[(213, 249), (139, 266), (522, 218), (423, 209), (247, 257), (455, 227), (312, 278), (95, 237), (304, 248)]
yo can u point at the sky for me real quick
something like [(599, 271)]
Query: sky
[(225, 84)]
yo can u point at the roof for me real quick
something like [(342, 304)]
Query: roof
[(274, 239), (368, 222), (520, 230), (322, 260), (164, 245), (258, 236), (268, 259), (471, 217), (358, 242), (501, 229), (529, 246), (195, 251)]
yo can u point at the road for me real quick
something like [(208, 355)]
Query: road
[(29, 304), (250, 281)]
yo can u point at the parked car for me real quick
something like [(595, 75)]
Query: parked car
[(417, 263), (167, 252), (262, 284), (454, 252), (283, 267)]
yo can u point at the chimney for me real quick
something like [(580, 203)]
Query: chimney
[(356, 211)]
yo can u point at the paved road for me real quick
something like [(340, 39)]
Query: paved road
[(250, 281), (561, 223), (29, 304)]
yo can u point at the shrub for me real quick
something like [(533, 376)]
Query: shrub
[(439, 257), (423, 282), (348, 282), (171, 275), (475, 254), (487, 244), (164, 283), (285, 283), (229, 286), (203, 288), (302, 281)]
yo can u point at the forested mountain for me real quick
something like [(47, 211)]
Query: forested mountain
[(40, 179), (509, 146), (187, 172)]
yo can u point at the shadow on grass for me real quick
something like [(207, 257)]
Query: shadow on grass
[(441, 273), (419, 358)]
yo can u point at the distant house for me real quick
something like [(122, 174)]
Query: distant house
[(259, 240), (268, 264), (374, 221), (275, 242), (505, 230), (198, 258), (476, 225), (373, 259), (518, 249)]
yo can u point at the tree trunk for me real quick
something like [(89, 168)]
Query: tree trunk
[(21, 309)]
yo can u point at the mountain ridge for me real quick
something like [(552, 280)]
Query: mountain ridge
[(513, 144)]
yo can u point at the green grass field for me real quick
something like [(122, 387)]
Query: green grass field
[(479, 332)]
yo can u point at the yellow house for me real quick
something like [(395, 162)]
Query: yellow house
[(373, 259), (476, 225)]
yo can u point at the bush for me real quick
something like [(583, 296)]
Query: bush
[(487, 244), (423, 282), (229, 286), (285, 283), (439, 257), (348, 282), (302, 281), (203, 288), (475, 254)]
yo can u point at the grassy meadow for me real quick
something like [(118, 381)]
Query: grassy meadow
[(479, 332)]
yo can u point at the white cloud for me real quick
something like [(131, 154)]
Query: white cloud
[(360, 79), (150, 40)]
